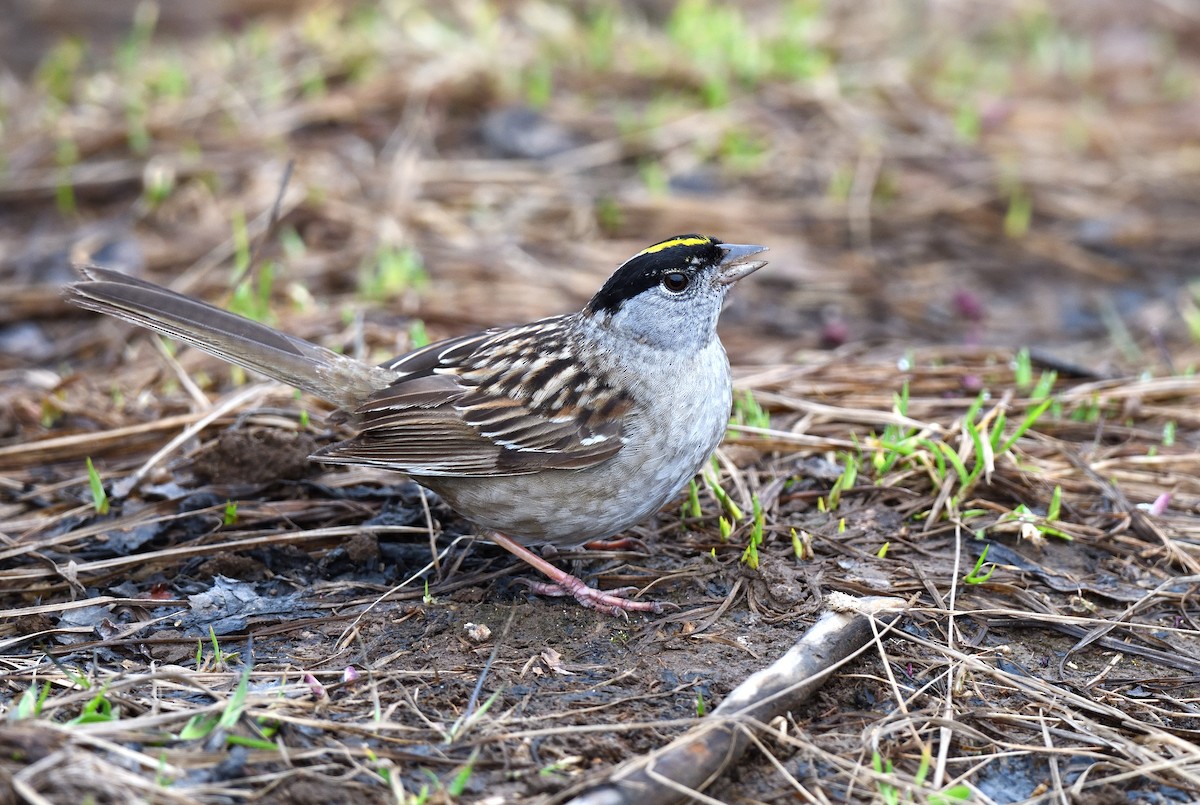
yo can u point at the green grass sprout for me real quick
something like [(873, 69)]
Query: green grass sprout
[(99, 496), (30, 704), (712, 476), (458, 783), (691, 504), (976, 575), (393, 271), (747, 411), (750, 555), (417, 335), (97, 710)]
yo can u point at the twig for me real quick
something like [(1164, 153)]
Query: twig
[(694, 760)]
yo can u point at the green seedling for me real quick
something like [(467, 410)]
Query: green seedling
[(241, 245), (654, 177), (1045, 385), (1030, 526), (538, 83), (956, 793), (381, 768), (460, 727), (66, 156), (252, 298), (219, 658), (967, 121), (976, 575), (610, 217), (889, 793), (218, 654), (741, 151), (98, 710), (99, 496), (131, 53), (1019, 215), (1022, 366), (750, 555), (712, 475), (747, 411), (231, 513), (1055, 508), (170, 81), (1028, 422), (845, 481), (896, 441), (137, 131), (158, 182), (202, 725), (1088, 412), (958, 467), (560, 767), (30, 704), (161, 778), (394, 271), (600, 36), (293, 245), (458, 783), (841, 183), (802, 545), (417, 336), (57, 74), (691, 504)]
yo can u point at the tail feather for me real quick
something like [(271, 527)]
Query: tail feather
[(343, 381)]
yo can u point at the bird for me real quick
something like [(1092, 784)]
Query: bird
[(566, 430)]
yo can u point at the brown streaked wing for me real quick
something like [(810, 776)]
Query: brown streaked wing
[(503, 402)]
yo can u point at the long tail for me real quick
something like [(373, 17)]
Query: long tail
[(341, 380)]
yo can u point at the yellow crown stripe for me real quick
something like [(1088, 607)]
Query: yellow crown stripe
[(672, 243)]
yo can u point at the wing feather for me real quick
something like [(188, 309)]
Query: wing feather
[(502, 402)]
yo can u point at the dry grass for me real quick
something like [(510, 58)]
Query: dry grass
[(930, 178)]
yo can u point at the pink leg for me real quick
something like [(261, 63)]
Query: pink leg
[(563, 583), (619, 544)]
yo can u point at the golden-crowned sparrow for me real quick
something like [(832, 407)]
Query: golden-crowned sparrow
[(561, 431)]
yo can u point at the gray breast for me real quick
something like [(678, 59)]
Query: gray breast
[(680, 419)]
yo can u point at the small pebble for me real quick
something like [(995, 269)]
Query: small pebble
[(477, 632)]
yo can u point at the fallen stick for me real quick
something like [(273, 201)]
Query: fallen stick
[(690, 763)]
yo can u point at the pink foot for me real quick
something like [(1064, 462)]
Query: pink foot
[(612, 602), (563, 584)]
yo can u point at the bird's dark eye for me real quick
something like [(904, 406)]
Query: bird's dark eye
[(675, 282)]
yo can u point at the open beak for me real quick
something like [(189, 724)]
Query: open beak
[(736, 264)]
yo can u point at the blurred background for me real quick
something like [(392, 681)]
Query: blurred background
[(928, 173)]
